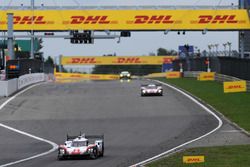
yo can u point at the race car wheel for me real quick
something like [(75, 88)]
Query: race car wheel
[(60, 157), (94, 155)]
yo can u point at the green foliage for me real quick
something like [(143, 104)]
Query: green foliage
[(49, 60)]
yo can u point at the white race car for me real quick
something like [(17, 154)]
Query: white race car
[(79, 146), (151, 89), (125, 75)]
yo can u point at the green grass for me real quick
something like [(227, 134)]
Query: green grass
[(235, 106), (229, 156)]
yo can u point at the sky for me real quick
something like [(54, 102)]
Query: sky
[(140, 43)]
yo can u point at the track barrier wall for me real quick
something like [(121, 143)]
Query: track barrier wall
[(9, 87)]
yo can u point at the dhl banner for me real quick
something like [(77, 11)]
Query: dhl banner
[(173, 74), (235, 86), (62, 76), (41, 20), (206, 76), (117, 60), (193, 159)]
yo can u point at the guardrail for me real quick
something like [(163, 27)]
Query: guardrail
[(9, 87), (218, 77)]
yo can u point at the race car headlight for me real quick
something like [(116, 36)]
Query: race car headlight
[(90, 150), (143, 91), (62, 151), (128, 75), (159, 90)]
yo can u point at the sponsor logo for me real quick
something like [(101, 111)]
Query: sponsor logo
[(210, 19), (83, 61), (89, 20), (155, 19), (28, 20), (193, 159), (208, 76), (132, 60), (235, 87)]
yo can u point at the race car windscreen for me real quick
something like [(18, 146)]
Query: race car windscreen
[(79, 143)]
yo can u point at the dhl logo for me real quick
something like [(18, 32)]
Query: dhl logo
[(139, 19), (208, 76), (89, 20), (155, 19), (173, 74), (83, 61), (129, 60), (28, 20), (193, 160), (210, 19), (234, 87)]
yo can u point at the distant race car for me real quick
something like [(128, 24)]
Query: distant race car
[(151, 89), (79, 146), (125, 75)]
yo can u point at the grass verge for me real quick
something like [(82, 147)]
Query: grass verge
[(235, 106)]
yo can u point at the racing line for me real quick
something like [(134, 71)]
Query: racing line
[(55, 146)]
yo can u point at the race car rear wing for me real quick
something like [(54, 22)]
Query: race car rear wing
[(86, 136), (143, 85)]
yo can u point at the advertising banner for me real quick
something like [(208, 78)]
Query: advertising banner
[(206, 76), (116, 60), (235, 86), (173, 74), (72, 76), (65, 20), (193, 159)]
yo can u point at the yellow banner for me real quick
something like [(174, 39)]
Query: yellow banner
[(193, 159), (230, 19), (61, 76), (235, 86), (173, 74), (206, 76), (119, 60)]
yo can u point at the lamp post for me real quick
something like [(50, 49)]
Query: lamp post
[(229, 45), (225, 48), (216, 47)]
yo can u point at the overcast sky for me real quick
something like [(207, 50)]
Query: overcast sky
[(141, 43)]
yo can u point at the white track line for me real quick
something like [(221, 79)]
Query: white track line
[(54, 145), (191, 141)]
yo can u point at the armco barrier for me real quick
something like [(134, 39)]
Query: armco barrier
[(218, 77), (9, 87)]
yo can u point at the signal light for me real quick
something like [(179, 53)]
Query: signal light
[(13, 67)]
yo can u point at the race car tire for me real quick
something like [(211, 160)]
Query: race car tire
[(94, 154), (60, 158)]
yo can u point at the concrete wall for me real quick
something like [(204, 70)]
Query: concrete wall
[(9, 87)]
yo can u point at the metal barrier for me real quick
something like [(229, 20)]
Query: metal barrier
[(218, 77)]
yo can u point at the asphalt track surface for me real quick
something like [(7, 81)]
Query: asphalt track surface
[(135, 127)]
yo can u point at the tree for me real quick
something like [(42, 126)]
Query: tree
[(49, 60)]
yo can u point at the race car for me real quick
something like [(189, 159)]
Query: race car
[(151, 89), (125, 75), (80, 147)]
